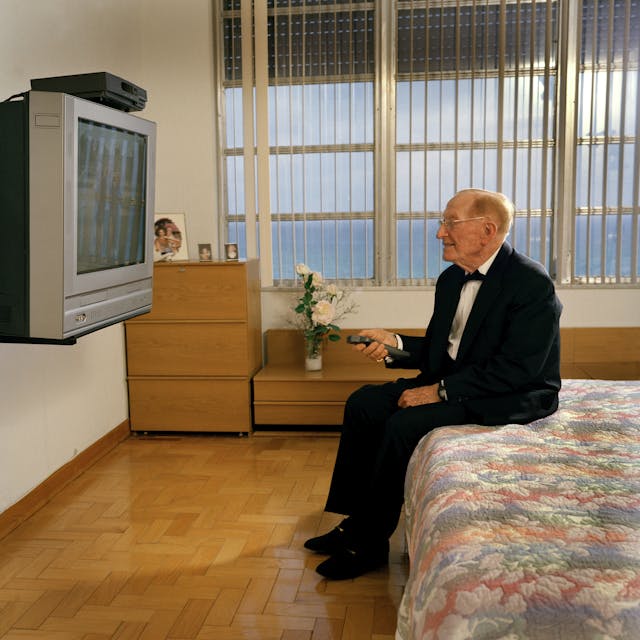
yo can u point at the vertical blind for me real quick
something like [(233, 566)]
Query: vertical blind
[(378, 112)]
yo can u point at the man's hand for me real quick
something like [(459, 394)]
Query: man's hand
[(376, 350), (418, 396)]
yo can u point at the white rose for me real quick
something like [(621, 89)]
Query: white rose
[(316, 279), (332, 290), (323, 313), (302, 269)]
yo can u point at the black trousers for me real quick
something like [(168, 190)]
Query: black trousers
[(376, 444)]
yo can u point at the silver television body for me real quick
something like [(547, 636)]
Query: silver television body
[(72, 289)]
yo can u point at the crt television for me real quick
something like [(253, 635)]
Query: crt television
[(77, 183)]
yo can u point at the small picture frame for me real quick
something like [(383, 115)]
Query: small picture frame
[(169, 237), (231, 251), (204, 252)]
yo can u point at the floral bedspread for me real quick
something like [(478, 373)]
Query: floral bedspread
[(529, 531)]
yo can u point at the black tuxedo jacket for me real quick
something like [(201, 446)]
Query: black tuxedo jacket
[(508, 365)]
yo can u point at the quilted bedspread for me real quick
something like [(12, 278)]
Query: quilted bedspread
[(528, 531)]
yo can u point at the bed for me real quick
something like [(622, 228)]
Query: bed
[(528, 531)]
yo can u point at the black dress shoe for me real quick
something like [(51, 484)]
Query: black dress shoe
[(351, 563), (329, 543)]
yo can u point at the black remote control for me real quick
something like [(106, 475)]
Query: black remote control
[(392, 351)]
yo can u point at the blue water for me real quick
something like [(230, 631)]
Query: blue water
[(344, 249)]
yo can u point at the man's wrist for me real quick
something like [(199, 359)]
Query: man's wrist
[(442, 391), (399, 345)]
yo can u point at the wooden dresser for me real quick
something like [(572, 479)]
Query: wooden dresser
[(285, 394), (190, 361)]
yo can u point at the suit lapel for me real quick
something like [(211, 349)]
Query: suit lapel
[(446, 309), (489, 291)]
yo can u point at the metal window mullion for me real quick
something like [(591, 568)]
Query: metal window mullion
[(364, 236), (385, 153), (261, 59), (501, 92), (320, 135), (485, 106), (411, 155), (545, 133), (605, 159), (336, 235), (564, 184), (337, 62), (635, 204), (303, 152), (591, 137), (440, 77), (236, 182), (307, 51), (621, 155), (276, 141), (323, 51), (473, 88), (292, 180), (532, 53), (516, 102), (222, 180), (248, 134), (425, 173), (367, 247), (456, 118)]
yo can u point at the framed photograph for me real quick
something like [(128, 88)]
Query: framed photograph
[(169, 237), (204, 252), (231, 251)]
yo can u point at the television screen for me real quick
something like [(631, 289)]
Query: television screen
[(111, 197)]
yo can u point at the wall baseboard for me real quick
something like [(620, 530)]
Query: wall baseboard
[(15, 515)]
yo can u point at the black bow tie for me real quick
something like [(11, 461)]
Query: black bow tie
[(476, 275)]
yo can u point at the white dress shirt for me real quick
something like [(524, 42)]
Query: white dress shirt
[(467, 298)]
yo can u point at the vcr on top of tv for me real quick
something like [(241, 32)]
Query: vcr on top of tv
[(100, 87)]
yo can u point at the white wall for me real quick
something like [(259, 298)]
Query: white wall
[(177, 72), (398, 309), (56, 401)]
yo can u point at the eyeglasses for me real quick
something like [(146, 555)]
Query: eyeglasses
[(452, 223)]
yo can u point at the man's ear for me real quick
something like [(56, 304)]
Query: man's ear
[(489, 229)]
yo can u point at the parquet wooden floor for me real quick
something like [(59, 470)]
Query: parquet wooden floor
[(194, 537)]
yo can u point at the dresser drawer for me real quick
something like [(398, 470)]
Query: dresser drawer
[(197, 292), (301, 413), (189, 405), (187, 348)]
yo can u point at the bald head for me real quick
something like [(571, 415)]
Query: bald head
[(490, 204), (474, 226)]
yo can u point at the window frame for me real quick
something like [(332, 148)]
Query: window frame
[(257, 155)]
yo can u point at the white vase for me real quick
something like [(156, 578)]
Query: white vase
[(313, 363), (312, 355)]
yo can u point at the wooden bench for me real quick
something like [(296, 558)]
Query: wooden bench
[(285, 394)]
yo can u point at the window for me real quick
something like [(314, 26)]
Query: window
[(605, 244), (321, 137), (359, 120), (475, 104)]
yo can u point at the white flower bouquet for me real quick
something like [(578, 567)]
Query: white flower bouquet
[(318, 309)]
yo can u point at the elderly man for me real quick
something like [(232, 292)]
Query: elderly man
[(490, 355)]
